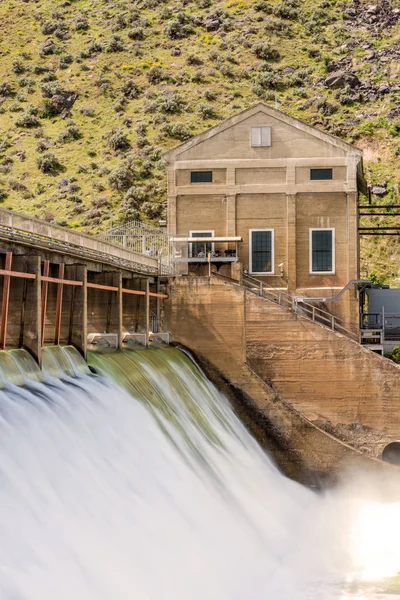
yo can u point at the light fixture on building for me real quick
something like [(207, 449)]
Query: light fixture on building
[(281, 270)]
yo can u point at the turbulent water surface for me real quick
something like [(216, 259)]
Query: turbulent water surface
[(141, 483)]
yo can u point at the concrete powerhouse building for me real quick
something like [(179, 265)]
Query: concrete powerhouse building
[(276, 198)]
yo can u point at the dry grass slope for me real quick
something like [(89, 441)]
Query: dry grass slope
[(93, 91)]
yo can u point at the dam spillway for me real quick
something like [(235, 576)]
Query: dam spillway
[(139, 481)]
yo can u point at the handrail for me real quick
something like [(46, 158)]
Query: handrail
[(297, 306), (30, 231)]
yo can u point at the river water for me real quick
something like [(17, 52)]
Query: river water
[(142, 484)]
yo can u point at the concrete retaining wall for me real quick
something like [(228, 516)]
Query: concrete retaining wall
[(222, 323)]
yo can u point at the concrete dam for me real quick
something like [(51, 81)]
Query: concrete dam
[(123, 454)]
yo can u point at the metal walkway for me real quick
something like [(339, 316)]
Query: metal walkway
[(37, 234)]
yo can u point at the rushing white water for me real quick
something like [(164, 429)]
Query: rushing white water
[(103, 497)]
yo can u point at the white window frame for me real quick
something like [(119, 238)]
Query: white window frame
[(200, 231), (333, 251), (272, 272), (269, 136)]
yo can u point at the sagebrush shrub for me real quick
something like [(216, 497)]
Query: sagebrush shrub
[(48, 163), (118, 140)]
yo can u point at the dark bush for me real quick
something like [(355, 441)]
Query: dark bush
[(119, 104), (27, 120), (265, 51), (48, 163), (209, 95), (205, 110), (266, 80), (49, 27), (178, 28), (193, 59), (27, 82), (50, 89), (6, 89), (48, 47), (178, 131), (285, 11), (18, 67), (50, 75), (156, 75), (70, 134), (168, 103), (118, 140), (122, 177), (130, 89), (136, 33), (81, 23), (66, 60), (114, 44), (263, 6), (3, 194), (135, 196)]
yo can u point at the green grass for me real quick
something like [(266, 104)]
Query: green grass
[(307, 42)]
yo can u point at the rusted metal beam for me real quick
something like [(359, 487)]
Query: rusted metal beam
[(61, 280), (98, 286), (60, 289), (5, 302), (135, 292), (154, 295), (379, 214), (45, 287), (373, 206), (17, 274)]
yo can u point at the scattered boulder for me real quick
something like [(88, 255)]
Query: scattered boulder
[(63, 101), (379, 190), (341, 79)]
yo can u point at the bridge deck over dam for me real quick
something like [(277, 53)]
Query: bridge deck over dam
[(27, 232), (60, 286)]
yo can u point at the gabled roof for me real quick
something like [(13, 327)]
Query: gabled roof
[(272, 112)]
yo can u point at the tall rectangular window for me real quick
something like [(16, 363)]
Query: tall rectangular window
[(322, 250), (201, 249), (321, 174), (201, 177), (260, 136), (261, 258)]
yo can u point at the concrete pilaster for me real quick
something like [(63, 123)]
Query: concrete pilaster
[(231, 216), (171, 217), (78, 331), (31, 336), (290, 269)]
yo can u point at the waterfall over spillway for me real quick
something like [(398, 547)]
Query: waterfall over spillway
[(141, 483)]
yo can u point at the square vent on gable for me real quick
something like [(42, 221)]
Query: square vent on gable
[(260, 136)]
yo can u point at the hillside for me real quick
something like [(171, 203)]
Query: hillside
[(93, 91)]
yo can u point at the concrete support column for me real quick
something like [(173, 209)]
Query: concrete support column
[(290, 269), (78, 324), (119, 309), (147, 310), (231, 215), (31, 321), (171, 217)]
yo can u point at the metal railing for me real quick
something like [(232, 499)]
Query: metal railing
[(303, 309), (35, 233), (150, 241)]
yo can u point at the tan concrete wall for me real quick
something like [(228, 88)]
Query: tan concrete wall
[(201, 212), (287, 142), (183, 177), (260, 175), (263, 211), (211, 318), (326, 210), (324, 375)]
